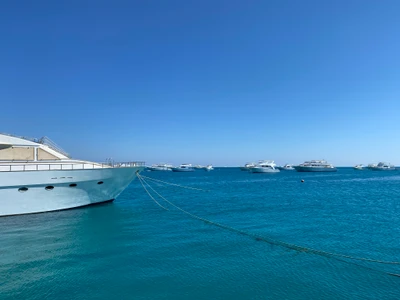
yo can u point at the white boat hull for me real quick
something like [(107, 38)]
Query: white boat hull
[(314, 169), (285, 168), (263, 170), (382, 169), (182, 170), (159, 169), (88, 187)]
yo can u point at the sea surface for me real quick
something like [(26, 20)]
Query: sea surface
[(134, 249)]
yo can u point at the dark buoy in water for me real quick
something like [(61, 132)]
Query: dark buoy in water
[(302, 180)]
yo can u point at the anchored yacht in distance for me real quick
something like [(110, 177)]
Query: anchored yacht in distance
[(264, 166), (160, 167), (38, 176), (315, 166), (286, 167), (382, 166), (248, 166), (183, 168)]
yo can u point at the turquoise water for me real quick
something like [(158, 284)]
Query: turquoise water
[(133, 249)]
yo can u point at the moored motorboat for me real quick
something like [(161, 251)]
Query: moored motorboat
[(315, 166), (208, 168), (359, 167), (264, 166), (183, 168), (36, 176), (159, 167), (286, 167), (381, 166), (247, 166)]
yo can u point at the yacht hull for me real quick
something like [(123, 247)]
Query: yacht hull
[(159, 169), (28, 192), (182, 170), (314, 169), (262, 170)]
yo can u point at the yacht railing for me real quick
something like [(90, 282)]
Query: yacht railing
[(66, 166), (48, 142)]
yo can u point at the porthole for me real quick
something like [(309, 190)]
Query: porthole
[(72, 185), (22, 189), (100, 182), (49, 188)]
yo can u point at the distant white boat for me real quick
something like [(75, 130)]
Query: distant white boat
[(198, 167), (286, 167), (208, 168), (265, 166), (183, 168), (381, 166), (160, 167), (358, 167), (247, 166), (315, 166)]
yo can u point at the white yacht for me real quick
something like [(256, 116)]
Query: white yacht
[(247, 166), (382, 166), (183, 168), (315, 166), (264, 166), (359, 167), (38, 176), (286, 167), (208, 168), (160, 167)]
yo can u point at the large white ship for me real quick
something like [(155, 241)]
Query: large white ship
[(38, 176), (315, 166)]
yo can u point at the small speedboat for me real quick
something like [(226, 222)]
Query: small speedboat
[(358, 167)]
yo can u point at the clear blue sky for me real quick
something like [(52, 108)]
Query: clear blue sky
[(220, 82)]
